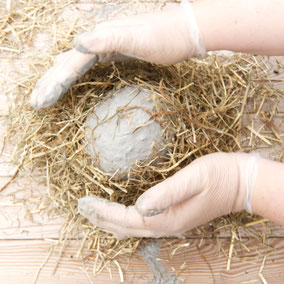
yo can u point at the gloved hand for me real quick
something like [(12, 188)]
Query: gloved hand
[(211, 186), (164, 37)]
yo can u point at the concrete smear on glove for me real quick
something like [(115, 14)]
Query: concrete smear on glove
[(119, 137), (150, 253)]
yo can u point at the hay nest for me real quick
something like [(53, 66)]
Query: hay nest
[(201, 106)]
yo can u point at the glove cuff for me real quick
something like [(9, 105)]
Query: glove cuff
[(200, 50), (250, 178)]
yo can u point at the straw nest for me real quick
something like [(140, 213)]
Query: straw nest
[(199, 103)]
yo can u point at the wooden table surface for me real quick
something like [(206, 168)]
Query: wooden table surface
[(26, 241)]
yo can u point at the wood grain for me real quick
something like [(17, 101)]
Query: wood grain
[(198, 263)]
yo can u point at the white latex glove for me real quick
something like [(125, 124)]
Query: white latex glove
[(164, 37), (211, 186)]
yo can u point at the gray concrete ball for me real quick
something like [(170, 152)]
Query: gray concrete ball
[(120, 131)]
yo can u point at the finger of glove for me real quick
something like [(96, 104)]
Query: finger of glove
[(57, 80), (105, 40), (183, 185), (113, 217), (74, 62), (126, 221), (119, 35), (49, 89), (142, 36), (91, 206), (109, 214)]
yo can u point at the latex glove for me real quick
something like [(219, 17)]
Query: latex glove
[(164, 37), (209, 187)]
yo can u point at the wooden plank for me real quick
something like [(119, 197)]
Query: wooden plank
[(197, 263), (272, 133), (274, 67), (18, 211), (206, 263)]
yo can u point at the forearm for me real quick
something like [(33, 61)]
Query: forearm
[(268, 196), (250, 26)]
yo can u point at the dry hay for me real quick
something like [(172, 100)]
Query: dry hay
[(202, 102), (201, 105)]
